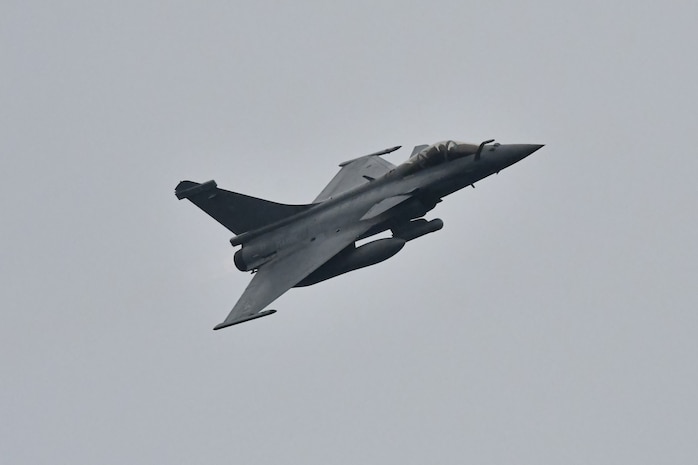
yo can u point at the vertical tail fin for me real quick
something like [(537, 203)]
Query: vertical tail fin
[(237, 212)]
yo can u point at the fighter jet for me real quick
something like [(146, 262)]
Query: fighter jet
[(289, 246)]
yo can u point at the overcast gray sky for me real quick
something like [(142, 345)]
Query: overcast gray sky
[(553, 319)]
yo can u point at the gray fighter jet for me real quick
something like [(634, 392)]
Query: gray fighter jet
[(289, 246)]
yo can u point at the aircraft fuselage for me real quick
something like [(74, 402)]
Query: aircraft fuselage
[(425, 188)]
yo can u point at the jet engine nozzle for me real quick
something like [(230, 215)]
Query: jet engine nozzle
[(249, 258)]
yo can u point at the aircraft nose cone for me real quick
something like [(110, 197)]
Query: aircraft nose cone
[(512, 153), (524, 150)]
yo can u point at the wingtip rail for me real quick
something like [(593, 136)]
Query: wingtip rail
[(374, 154), (225, 324)]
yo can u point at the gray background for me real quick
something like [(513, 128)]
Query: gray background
[(553, 320)]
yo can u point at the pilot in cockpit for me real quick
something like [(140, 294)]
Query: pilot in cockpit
[(436, 154)]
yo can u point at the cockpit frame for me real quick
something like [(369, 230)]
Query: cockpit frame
[(436, 154)]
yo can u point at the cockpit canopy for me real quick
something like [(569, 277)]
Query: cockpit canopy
[(435, 154)]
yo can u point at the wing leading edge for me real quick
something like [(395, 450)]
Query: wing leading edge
[(282, 273), (356, 172)]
